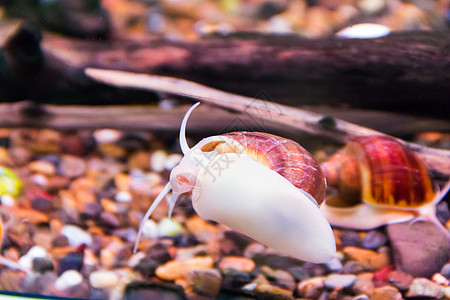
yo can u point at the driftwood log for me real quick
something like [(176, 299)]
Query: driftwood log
[(403, 72)]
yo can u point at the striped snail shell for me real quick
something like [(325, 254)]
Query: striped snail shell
[(259, 184), (379, 181)]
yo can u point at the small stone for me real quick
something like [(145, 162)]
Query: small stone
[(446, 270), (150, 229), (76, 236), (381, 260), (311, 287), (386, 293), (355, 267), (109, 220), (91, 210), (316, 269), (107, 135), (43, 237), (422, 287), (237, 263), (234, 279), (284, 280), (177, 270), (20, 155), (103, 279), (371, 6), (68, 279), (184, 254), (56, 183), (172, 161), (351, 238), (160, 254), (443, 212), (439, 279), (277, 261), (139, 160), (339, 281), (72, 261), (60, 241), (400, 280), (42, 265), (335, 266), (205, 282), (8, 200), (185, 240), (299, 273), (39, 179), (75, 145), (268, 290), (364, 284), (158, 160), (146, 267), (42, 167), (358, 254), (253, 249), (415, 243), (169, 227), (374, 239), (123, 196), (42, 204), (72, 166)]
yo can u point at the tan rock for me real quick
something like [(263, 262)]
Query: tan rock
[(386, 293), (173, 270), (238, 263), (364, 284), (311, 287)]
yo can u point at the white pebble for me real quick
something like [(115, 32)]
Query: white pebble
[(364, 31), (158, 160), (68, 279), (36, 251), (172, 161), (150, 229), (26, 261), (371, 6), (335, 266), (107, 135), (76, 235), (168, 227), (8, 200), (439, 279), (39, 179), (103, 279), (123, 197), (279, 25), (135, 259)]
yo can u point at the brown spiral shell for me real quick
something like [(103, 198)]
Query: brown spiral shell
[(380, 170), (285, 157)]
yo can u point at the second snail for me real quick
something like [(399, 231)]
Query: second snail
[(379, 181)]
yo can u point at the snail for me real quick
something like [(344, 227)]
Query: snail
[(259, 184), (379, 181)]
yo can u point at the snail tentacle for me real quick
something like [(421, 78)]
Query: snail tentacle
[(155, 203), (183, 142)]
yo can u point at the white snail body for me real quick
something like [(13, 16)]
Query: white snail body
[(259, 184)]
